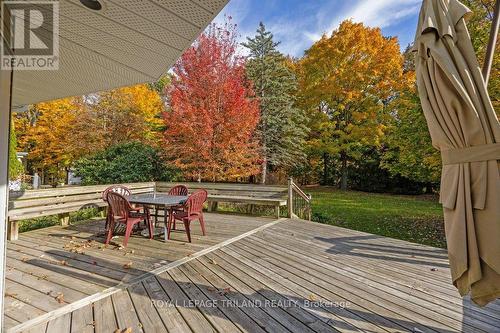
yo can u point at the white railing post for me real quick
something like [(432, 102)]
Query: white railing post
[(290, 197)]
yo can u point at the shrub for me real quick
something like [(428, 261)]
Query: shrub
[(124, 163), (15, 167)]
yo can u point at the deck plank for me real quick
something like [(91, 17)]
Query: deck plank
[(82, 320), (148, 316), (104, 316), (213, 314), (170, 315), (60, 324), (126, 316)]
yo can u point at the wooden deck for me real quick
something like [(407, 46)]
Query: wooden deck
[(285, 276)]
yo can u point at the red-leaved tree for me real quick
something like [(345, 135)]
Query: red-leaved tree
[(212, 120)]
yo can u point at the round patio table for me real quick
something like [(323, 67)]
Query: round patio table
[(157, 200)]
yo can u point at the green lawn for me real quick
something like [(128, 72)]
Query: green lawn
[(412, 218)]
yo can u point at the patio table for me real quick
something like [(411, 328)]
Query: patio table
[(158, 200)]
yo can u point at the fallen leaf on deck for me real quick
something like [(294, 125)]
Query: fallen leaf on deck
[(7, 294), (213, 262), (60, 298), (24, 259), (127, 265), (312, 297), (225, 291), (127, 330), (63, 263)]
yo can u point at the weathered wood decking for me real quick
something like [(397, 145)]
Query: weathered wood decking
[(291, 276)]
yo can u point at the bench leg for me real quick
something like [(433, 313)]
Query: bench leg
[(212, 206), (103, 212), (277, 211), (64, 219), (12, 230)]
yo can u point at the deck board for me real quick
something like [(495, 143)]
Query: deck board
[(293, 276)]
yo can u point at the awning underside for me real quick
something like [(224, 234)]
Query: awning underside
[(127, 42)]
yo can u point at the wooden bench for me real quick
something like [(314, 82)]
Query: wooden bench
[(59, 201), (251, 194)]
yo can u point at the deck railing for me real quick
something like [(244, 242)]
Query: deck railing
[(299, 203)]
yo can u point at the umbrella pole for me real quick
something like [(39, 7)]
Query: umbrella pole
[(490, 51)]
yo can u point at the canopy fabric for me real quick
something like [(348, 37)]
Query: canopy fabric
[(464, 127), (125, 43)]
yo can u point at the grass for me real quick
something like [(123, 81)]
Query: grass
[(417, 219)]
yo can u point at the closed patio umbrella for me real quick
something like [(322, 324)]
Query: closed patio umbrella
[(464, 127)]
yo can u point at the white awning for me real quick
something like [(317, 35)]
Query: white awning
[(125, 43)]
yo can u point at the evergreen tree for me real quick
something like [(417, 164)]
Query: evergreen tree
[(281, 129)]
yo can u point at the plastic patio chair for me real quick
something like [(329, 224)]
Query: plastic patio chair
[(192, 210), (122, 212), (180, 190), (120, 189)]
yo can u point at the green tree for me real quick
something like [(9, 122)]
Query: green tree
[(15, 167), (281, 128), (408, 149), (479, 24), (124, 163)]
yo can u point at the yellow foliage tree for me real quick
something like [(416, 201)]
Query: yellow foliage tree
[(57, 133), (120, 115), (49, 135), (346, 80)]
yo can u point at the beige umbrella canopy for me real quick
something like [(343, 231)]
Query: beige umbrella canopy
[(464, 127)]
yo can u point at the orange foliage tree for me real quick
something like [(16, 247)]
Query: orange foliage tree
[(211, 124), (346, 80)]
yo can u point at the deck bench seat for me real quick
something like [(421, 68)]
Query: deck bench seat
[(59, 201)]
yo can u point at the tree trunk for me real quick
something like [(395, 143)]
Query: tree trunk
[(343, 182), (263, 171), (326, 161), (67, 175)]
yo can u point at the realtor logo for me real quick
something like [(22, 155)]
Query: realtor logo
[(31, 28)]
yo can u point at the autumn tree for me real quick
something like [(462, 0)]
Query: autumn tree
[(117, 116), (282, 126), (48, 137), (348, 77), (211, 124)]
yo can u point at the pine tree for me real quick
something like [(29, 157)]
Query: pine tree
[(281, 129)]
